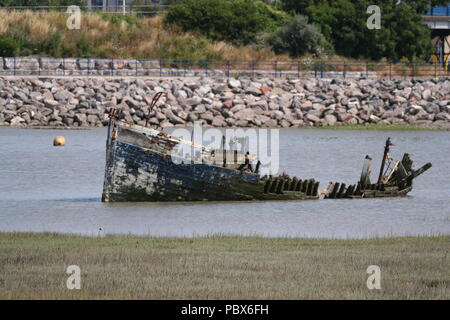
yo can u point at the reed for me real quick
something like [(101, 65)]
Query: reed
[(33, 266)]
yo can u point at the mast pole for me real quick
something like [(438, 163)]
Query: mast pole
[(383, 162)]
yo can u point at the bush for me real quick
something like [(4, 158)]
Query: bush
[(116, 18), (51, 45), (402, 33), (8, 47), (237, 21), (298, 38), (186, 49)]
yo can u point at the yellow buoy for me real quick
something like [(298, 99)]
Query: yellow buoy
[(59, 141)]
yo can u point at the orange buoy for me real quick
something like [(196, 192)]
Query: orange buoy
[(59, 141)]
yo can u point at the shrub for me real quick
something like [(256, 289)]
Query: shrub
[(298, 38), (9, 47), (116, 18), (186, 49), (84, 47), (237, 21), (344, 24), (51, 45)]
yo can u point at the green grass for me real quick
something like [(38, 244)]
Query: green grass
[(32, 266)]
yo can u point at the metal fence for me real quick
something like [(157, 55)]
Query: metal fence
[(42, 66), (129, 8)]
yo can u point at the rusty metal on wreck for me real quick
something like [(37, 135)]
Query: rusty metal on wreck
[(141, 166)]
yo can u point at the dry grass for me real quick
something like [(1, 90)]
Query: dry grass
[(146, 38), (32, 266)]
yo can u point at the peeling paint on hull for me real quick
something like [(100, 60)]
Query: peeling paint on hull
[(140, 167), (135, 173)]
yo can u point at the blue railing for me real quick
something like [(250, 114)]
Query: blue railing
[(439, 11)]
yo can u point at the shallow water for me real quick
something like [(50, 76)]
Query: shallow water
[(43, 188)]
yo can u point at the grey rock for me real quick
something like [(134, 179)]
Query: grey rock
[(80, 118), (432, 108), (206, 117), (312, 118), (330, 120), (245, 114), (21, 96), (234, 83), (426, 94), (16, 121), (442, 116), (414, 109), (277, 114), (253, 91), (50, 103)]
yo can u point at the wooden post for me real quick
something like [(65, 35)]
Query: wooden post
[(366, 171), (293, 184), (316, 189), (335, 190), (267, 185), (287, 185), (349, 191), (358, 190), (298, 187), (274, 186), (383, 162), (341, 191), (309, 191), (305, 186), (280, 186), (224, 152)]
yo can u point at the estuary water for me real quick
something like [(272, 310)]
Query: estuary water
[(43, 188)]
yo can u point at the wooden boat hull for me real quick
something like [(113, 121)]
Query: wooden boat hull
[(141, 166), (135, 173)]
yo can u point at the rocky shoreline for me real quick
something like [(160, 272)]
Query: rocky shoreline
[(82, 102)]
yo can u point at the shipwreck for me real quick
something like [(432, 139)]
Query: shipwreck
[(140, 166)]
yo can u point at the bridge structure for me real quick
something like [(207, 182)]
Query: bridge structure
[(438, 20)]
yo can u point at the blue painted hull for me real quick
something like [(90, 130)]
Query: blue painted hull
[(168, 181), (135, 171)]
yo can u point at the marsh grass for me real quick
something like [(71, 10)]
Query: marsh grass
[(221, 267)]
